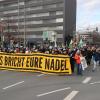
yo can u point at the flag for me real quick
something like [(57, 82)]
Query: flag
[(80, 45), (71, 44)]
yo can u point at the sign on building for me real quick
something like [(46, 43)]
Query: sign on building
[(45, 35), (50, 35)]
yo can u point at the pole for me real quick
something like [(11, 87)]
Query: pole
[(1, 34), (24, 24), (18, 22), (9, 35), (55, 38), (2, 37), (55, 43), (2, 31)]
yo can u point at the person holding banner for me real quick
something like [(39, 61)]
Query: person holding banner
[(78, 62), (71, 53), (83, 62)]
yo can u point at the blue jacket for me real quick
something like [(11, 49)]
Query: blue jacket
[(96, 56)]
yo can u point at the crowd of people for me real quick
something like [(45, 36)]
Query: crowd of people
[(81, 58)]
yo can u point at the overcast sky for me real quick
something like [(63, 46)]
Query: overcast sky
[(88, 13)]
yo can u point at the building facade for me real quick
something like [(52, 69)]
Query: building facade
[(92, 37), (27, 19)]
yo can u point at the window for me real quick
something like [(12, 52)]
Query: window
[(43, 29), (49, 21), (34, 1), (34, 22), (15, 17), (21, 3), (59, 12), (38, 15), (59, 20), (60, 5), (52, 13), (59, 27), (12, 5), (50, 6), (13, 11), (34, 8)]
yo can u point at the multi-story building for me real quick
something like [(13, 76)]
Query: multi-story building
[(91, 37), (86, 37), (28, 19)]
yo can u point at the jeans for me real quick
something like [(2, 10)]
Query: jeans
[(95, 63), (79, 69)]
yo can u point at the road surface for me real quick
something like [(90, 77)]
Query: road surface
[(37, 86)]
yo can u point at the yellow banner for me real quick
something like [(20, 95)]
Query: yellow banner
[(36, 62)]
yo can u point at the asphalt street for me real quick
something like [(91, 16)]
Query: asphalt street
[(37, 86)]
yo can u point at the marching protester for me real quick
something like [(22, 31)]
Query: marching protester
[(27, 51), (72, 60), (78, 62), (80, 58), (83, 62), (88, 56), (96, 58)]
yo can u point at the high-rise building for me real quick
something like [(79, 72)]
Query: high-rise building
[(28, 19)]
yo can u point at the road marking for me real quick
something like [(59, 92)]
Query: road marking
[(4, 71), (40, 75), (95, 82), (53, 91), (87, 80), (13, 85), (71, 95)]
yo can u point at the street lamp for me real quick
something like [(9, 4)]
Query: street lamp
[(24, 23), (24, 34)]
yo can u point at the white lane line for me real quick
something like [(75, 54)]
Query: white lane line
[(95, 82), (71, 95), (53, 91), (40, 75), (87, 80), (13, 85), (4, 71)]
